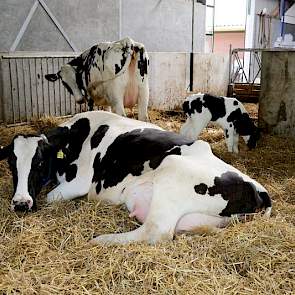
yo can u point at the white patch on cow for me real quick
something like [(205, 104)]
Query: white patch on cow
[(24, 150)]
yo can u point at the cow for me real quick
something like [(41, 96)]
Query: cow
[(113, 74), (227, 112), (169, 183)]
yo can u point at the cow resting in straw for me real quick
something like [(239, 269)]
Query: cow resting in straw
[(227, 112), (168, 182), (113, 74)]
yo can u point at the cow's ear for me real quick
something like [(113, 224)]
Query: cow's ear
[(52, 77), (58, 137), (5, 151)]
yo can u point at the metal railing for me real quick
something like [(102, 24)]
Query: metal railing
[(245, 65)]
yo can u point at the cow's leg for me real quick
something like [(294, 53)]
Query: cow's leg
[(193, 127), (157, 227), (143, 100), (229, 139), (68, 191), (236, 143), (166, 209)]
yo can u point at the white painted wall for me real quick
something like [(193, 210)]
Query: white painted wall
[(169, 77)]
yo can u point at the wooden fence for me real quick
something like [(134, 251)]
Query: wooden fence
[(24, 91)]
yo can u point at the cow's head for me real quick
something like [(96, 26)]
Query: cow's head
[(31, 161), (72, 81), (253, 138)]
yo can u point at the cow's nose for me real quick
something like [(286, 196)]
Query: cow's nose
[(22, 206)]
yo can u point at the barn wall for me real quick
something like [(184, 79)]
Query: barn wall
[(85, 23), (162, 25), (277, 100)]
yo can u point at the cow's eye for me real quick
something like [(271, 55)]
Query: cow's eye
[(40, 164)]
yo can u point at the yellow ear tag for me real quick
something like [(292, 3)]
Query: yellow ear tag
[(60, 154)]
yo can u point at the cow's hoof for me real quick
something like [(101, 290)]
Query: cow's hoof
[(104, 240), (52, 197)]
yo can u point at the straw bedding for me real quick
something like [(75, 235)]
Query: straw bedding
[(47, 252)]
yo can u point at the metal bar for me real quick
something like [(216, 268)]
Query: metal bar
[(282, 16), (24, 26), (39, 54), (241, 67), (57, 24), (230, 64), (191, 73)]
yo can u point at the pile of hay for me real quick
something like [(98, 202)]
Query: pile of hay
[(47, 252)]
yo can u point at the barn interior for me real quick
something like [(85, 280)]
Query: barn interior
[(48, 251)]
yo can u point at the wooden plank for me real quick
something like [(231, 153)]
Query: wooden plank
[(7, 98), (14, 91), (21, 90), (62, 91), (51, 87), (27, 88), (39, 79), (71, 97), (67, 94), (45, 86), (57, 87), (32, 70)]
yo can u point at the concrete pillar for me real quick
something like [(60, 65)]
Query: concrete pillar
[(277, 97)]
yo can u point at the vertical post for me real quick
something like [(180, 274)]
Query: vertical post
[(191, 76), (282, 16), (230, 62)]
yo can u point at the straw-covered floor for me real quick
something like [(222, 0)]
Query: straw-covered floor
[(47, 251)]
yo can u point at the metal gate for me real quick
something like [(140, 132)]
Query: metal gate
[(26, 94)]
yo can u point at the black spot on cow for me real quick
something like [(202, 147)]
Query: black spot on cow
[(98, 136), (70, 141), (235, 103), (215, 105), (71, 172), (65, 84), (230, 125), (129, 151), (266, 199), (201, 188), (123, 59), (136, 49), (142, 63), (241, 121), (196, 106), (102, 58), (241, 195), (97, 176), (226, 133), (98, 51)]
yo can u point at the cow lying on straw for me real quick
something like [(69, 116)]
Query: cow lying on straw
[(168, 182)]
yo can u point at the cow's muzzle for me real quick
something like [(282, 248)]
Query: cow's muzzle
[(22, 204)]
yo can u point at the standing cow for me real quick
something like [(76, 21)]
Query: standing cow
[(227, 112), (169, 183), (110, 73)]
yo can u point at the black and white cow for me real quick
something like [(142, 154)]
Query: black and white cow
[(111, 73), (169, 183), (227, 112)]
